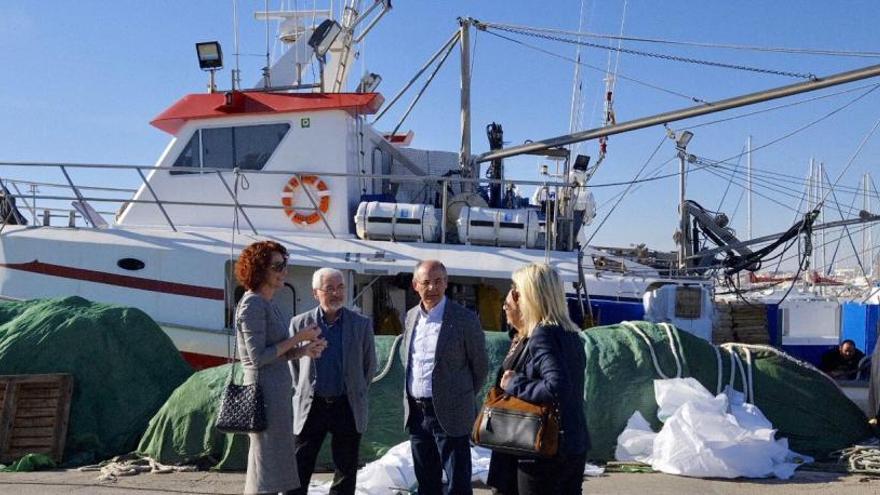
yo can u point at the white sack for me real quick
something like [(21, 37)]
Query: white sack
[(706, 436)]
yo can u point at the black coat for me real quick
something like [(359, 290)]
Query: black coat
[(552, 370)]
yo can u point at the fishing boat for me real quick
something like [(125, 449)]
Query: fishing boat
[(298, 163), (297, 160)]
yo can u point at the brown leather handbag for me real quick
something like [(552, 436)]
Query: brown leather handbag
[(513, 426)]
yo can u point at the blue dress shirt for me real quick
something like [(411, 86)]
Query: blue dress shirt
[(329, 381)]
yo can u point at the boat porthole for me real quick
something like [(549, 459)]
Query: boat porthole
[(130, 264)]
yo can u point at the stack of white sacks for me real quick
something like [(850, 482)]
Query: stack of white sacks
[(707, 436)]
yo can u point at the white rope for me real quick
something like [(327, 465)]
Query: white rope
[(132, 464), (720, 368), (390, 362), (640, 333), (732, 369), (675, 346), (751, 396)]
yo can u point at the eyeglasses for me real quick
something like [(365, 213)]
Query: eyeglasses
[(339, 289), (427, 283), (514, 293), (279, 266)]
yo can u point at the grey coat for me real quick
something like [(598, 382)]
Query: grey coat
[(271, 464), (358, 366), (460, 367)]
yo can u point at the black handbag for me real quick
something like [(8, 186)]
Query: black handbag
[(241, 406)]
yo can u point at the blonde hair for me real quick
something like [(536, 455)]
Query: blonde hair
[(541, 297)]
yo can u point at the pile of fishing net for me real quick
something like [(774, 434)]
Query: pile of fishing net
[(124, 367), (622, 363)]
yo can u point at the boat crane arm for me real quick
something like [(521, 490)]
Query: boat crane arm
[(864, 218), (715, 228), (684, 113)]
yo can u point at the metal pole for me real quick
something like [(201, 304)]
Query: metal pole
[(865, 199), (813, 189), (685, 113), (156, 198), (235, 200), (683, 237), (822, 218), (444, 206), (450, 41), (464, 157), (749, 165)]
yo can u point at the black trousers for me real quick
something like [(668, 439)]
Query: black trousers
[(563, 475), (434, 452), (331, 416)]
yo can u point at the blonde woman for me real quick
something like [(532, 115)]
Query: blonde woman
[(550, 370)]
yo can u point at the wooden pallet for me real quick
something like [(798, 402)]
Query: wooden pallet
[(741, 322), (34, 415)]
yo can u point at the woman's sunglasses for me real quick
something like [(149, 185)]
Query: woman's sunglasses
[(279, 266)]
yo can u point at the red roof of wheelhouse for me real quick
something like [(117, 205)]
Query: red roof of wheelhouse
[(214, 105)]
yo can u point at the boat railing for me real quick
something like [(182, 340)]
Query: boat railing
[(559, 227)]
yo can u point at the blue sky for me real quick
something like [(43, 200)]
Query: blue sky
[(81, 80)]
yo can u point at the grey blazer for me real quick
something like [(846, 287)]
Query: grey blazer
[(358, 365), (460, 367)]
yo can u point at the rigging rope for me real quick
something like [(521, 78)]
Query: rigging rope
[(599, 69), (804, 51), (674, 58)]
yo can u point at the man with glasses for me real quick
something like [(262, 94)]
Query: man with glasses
[(444, 355), (331, 392)]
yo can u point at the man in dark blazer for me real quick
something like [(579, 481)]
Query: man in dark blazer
[(444, 355), (331, 391)]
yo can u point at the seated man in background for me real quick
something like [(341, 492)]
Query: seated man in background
[(842, 363)]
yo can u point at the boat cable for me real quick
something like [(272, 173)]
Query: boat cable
[(797, 130), (622, 196), (765, 145), (846, 229), (423, 88), (838, 239), (673, 58), (729, 183), (610, 86), (777, 107), (783, 180), (452, 41), (779, 180), (653, 173), (694, 99), (240, 182), (802, 51)]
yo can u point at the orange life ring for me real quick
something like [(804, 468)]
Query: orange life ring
[(323, 198)]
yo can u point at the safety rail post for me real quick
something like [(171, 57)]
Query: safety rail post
[(443, 208), (235, 200), (156, 198), (9, 205)]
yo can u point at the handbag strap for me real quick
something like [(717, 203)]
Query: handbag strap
[(520, 360), (235, 332), (522, 355)]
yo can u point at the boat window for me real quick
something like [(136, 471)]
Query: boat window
[(250, 147)]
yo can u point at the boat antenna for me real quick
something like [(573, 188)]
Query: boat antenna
[(235, 72), (267, 69)]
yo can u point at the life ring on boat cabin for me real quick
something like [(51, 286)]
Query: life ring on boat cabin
[(322, 197)]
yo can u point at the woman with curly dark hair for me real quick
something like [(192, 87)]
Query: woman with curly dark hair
[(263, 338)]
